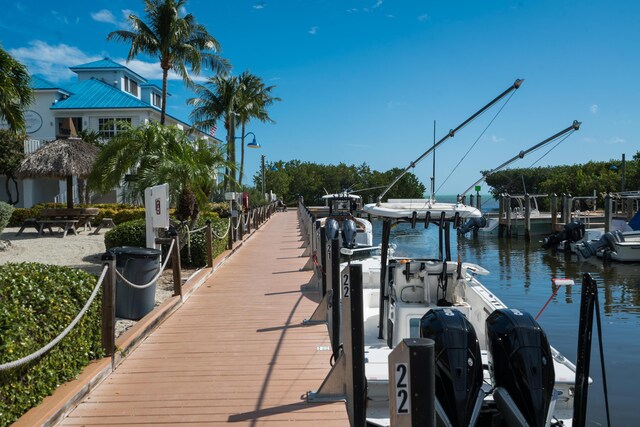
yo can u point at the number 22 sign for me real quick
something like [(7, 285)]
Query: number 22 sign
[(403, 403)]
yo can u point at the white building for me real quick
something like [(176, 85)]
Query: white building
[(105, 92)]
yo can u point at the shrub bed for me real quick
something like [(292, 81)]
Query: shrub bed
[(194, 252), (5, 214), (37, 302)]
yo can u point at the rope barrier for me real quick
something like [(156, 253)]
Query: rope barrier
[(226, 233), (56, 340), (197, 230), (157, 276)]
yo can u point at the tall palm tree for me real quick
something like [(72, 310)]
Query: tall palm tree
[(218, 98), (15, 91), (255, 97), (159, 154), (177, 41)]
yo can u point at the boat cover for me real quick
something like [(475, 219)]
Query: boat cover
[(404, 208)]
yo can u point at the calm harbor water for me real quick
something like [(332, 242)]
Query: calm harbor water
[(521, 276)]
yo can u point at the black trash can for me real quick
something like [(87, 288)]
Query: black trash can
[(138, 266)]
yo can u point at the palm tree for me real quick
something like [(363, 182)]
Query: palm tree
[(176, 41), (219, 98), (15, 91), (254, 100), (159, 154), (236, 100)]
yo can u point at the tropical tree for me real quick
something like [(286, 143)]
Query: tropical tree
[(154, 154), (254, 99), (177, 42), (11, 155), (15, 91), (219, 98)]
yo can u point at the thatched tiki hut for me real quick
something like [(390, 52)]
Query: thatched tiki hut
[(60, 159)]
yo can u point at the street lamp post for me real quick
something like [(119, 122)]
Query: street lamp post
[(262, 170)]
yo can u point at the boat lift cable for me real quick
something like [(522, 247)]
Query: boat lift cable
[(475, 142), (451, 134)]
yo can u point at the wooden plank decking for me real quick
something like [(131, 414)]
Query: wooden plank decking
[(235, 352)]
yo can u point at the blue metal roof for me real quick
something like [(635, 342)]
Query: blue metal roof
[(104, 64), (95, 94), (37, 82)]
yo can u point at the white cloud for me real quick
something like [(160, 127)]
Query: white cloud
[(377, 5), (495, 138), (594, 109), (390, 16), (353, 10), (313, 31), (616, 140), (104, 15), (52, 62), (423, 17), (107, 17), (259, 5)]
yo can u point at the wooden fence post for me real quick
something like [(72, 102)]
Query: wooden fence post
[(109, 305), (175, 263), (209, 242)]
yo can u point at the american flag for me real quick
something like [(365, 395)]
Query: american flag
[(212, 130)]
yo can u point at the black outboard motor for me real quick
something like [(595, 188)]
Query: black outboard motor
[(458, 366), (349, 233), (606, 242), (471, 224), (521, 367), (573, 232), (331, 229)]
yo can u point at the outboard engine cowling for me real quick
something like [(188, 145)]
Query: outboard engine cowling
[(472, 224), (521, 366), (331, 229), (458, 365), (607, 242), (573, 232), (349, 233)]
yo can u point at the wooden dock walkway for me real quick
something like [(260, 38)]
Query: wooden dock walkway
[(235, 353)]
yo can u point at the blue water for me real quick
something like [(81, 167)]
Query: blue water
[(521, 277)]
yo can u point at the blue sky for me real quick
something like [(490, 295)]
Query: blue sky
[(364, 80)]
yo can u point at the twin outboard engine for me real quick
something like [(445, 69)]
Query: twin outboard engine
[(349, 233), (458, 366), (521, 365), (472, 224), (572, 232), (606, 242)]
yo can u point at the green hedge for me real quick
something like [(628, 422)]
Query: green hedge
[(194, 252), (37, 302), (5, 214)]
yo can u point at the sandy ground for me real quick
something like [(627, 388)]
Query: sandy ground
[(82, 251)]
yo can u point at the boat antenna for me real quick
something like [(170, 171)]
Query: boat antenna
[(574, 127), (451, 134)]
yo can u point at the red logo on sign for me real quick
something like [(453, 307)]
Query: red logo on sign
[(157, 206)]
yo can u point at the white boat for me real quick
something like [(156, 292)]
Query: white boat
[(356, 232), (496, 374)]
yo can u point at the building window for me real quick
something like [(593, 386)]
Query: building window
[(131, 86), (109, 127), (156, 100)]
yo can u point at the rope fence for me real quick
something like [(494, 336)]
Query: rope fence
[(107, 280), (56, 340)]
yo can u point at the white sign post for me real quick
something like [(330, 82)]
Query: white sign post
[(156, 206)]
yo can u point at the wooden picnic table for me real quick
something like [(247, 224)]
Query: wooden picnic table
[(64, 218)]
